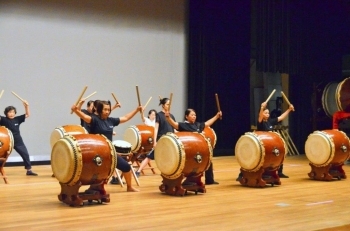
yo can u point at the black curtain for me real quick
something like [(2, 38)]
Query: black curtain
[(218, 62)]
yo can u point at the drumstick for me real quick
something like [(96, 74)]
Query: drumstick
[(138, 98), (23, 101), (268, 98), (2, 92), (160, 98), (285, 98), (217, 103), (170, 99), (115, 98), (90, 95), (81, 95), (147, 102)]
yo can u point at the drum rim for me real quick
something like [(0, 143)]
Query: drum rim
[(71, 143), (114, 157), (261, 147), (339, 87), (182, 155), (136, 131), (325, 95), (330, 140)]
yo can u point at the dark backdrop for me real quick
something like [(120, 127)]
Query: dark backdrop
[(303, 38)]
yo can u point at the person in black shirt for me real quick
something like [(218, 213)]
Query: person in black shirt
[(87, 111), (265, 123), (12, 122), (191, 125), (103, 124), (161, 128)]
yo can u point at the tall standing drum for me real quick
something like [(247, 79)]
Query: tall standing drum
[(256, 150), (85, 158), (335, 96), (65, 130), (6, 142), (140, 137), (327, 147), (187, 153)]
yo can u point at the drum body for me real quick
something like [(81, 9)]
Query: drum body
[(140, 137), (335, 96), (187, 153), (6, 142), (210, 134), (327, 147), (86, 158), (255, 150), (65, 130), (122, 147)]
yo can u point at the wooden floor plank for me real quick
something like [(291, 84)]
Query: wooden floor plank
[(31, 203)]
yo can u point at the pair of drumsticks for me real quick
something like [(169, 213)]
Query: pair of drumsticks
[(20, 98), (283, 95), (216, 99)]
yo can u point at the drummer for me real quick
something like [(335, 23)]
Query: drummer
[(87, 111), (161, 128), (265, 123), (12, 122), (103, 124), (191, 125)]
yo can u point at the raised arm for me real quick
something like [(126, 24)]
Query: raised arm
[(261, 112), (212, 120), (26, 108), (284, 115), (131, 114), (117, 104), (82, 115), (174, 124)]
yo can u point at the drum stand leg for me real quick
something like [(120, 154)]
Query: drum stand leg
[(2, 164), (174, 187), (259, 178), (327, 173), (71, 196)]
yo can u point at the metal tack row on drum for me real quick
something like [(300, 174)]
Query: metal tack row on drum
[(261, 153)]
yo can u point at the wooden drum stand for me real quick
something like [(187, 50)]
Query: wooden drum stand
[(327, 173), (174, 187), (259, 178)]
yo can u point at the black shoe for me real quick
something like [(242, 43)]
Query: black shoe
[(31, 173), (137, 174), (281, 175), (214, 182)]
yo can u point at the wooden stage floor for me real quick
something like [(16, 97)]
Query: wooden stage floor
[(31, 203)]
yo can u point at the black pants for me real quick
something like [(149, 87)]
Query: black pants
[(209, 174), (122, 164), (23, 152)]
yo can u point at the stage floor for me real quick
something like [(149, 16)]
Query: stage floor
[(31, 203)]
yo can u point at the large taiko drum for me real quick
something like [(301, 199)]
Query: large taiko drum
[(335, 96), (6, 142), (210, 134), (255, 150), (327, 147), (65, 130), (86, 158), (187, 153), (140, 137)]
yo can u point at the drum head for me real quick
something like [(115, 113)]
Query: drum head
[(249, 152), (122, 146), (319, 148), (343, 95), (132, 135), (170, 156), (66, 161), (329, 99)]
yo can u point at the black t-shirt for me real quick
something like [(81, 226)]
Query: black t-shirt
[(189, 127), (83, 123), (13, 126), (164, 126), (104, 127), (268, 125)]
